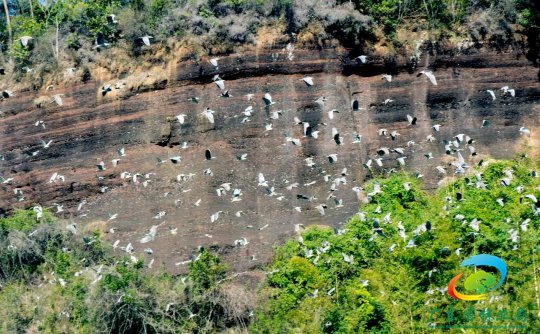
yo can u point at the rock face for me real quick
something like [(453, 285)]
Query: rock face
[(89, 128)]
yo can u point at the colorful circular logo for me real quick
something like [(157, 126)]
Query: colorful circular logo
[(481, 281)]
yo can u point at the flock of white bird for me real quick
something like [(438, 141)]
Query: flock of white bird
[(453, 147)]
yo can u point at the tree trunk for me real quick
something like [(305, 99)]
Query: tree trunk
[(57, 33), (31, 9), (8, 22)]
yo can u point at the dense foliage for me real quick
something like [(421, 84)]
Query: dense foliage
[(55, 281), (385, 271), (65, 31), (355, 280)]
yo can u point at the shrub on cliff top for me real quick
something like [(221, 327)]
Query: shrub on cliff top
[(220, 26)]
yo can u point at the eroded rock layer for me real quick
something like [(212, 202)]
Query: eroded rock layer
[(89, 128)]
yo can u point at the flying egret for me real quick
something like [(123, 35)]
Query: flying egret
[(411, 120), (321, 208), (57, 98), (46, 144), (508, 90), (361, 58), (308, 81), (146, 39), (151, 235), (321, 100), (492, 93), (181, 118), (429, 75), (262, 181), (25, 40), (209, 114), (105, 89), (267, 98)]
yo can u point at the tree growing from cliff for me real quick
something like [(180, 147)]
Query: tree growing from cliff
[(8, 22), (221, 26)]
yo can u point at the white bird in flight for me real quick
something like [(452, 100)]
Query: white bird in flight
[(214, 217), (308, 81), (429, 75), (57, 98), (523, 130), (40, 122), (25, 40), (321, 208), (267, 98), (492, 93), (331, 113), (146, 39), (507, 90), (362, 59), (209, 114), (262, 181), (181, 118), (46, 144), (220, 83), (151, 235)]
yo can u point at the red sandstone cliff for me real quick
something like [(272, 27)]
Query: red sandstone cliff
[(89, 128)]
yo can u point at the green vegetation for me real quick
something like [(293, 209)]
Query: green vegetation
[(65, 31), (53, 281), (391, 287), (351, 280)]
